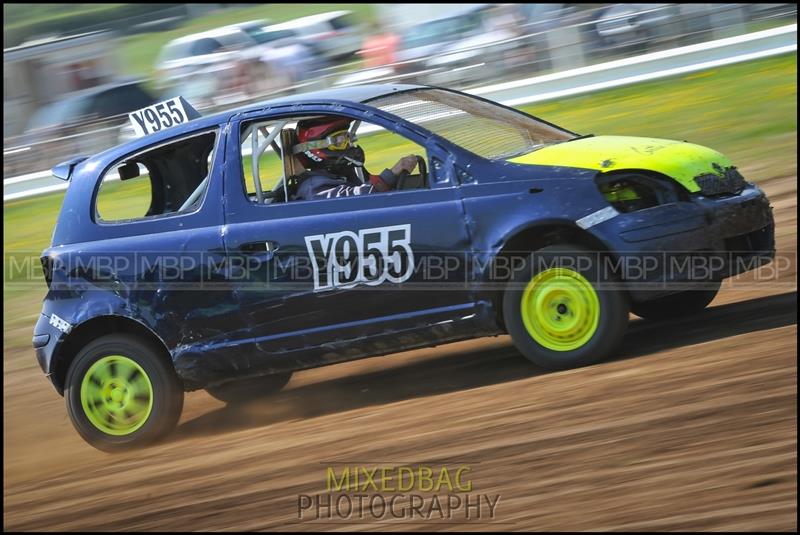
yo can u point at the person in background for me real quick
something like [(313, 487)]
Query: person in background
[(379, 47)]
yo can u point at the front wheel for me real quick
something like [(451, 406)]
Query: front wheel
[(121, 393), (561, 311), (677, 305)]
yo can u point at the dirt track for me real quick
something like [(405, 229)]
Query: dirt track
[(693, 426)]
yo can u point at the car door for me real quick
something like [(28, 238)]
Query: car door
[(315, 272)]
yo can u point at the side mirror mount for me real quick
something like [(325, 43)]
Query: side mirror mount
[(63, 171)]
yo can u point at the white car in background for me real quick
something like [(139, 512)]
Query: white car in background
[(294, 57), (334, 35), (199, 50), (241, 58)]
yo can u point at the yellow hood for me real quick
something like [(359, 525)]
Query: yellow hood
[(677, 159)]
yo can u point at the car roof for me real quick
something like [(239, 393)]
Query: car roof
[(218, 32), (309, 20), (247, 24), (457, 11), (359, 93), (91, 91)]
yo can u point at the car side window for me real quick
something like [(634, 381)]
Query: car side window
[(205, 46), (102, 103), (267, 174), (167, 180), (383, 149), (120, 100), (131, 97), (265, 161)]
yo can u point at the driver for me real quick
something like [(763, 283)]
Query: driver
[(335, 163)]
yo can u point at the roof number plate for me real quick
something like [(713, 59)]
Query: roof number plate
[(161, 116)]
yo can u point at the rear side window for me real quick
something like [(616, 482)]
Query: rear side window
[(236, 39), (268, 37), (167, 180), (134, 98), (315, 29), (122, 100), (342, 22), (205, 46)]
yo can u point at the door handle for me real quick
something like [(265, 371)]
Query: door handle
[(271, 246), (264, 249), (259, 246)]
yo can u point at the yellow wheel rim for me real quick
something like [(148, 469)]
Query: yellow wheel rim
[(560, 309), (116, 395)]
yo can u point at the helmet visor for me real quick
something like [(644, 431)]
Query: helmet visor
[(340, 140)]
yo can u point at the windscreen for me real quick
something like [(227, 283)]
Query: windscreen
[(61, 112), (484, 128), (176, 51), (430, 32)]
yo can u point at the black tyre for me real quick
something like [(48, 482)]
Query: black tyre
[(558, 313), (249, 389), (677, 305), (122, 392)]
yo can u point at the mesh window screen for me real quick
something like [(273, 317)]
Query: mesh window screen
[(485, 129)]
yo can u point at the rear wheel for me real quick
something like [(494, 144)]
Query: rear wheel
[(677, 305), (122, 392), (559, 313), (249, 389)]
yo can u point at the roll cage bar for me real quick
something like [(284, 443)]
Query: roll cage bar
[(258, 149)]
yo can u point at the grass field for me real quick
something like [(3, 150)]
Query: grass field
[(746, 111)]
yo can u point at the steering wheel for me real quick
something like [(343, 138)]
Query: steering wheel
[(422, 167), (423, 172)]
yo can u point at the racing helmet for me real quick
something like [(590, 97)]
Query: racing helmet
[(327, 143)]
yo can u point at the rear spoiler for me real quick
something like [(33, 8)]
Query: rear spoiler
[(64, 169)]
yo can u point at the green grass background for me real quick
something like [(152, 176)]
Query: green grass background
[(747, 111)]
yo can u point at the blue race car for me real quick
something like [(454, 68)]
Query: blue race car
[(224, 252)]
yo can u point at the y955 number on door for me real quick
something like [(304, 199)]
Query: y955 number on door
[(371, 256)]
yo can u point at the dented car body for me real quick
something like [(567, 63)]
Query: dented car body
[(243, 294)]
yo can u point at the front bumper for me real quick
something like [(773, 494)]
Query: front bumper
[(667, 249)]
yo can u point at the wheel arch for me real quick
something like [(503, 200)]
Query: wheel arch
[(532, 238), (92, 329)]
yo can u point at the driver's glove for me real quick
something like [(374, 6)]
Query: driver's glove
[(387, 180), (406, 163)]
